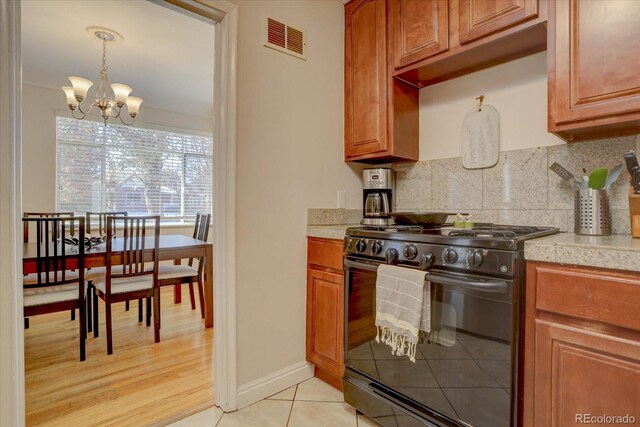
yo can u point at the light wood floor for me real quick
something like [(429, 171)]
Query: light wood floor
[(140, 384)]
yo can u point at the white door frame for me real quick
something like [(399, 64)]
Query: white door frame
[(12, 390), (11, 324), (224, 205)]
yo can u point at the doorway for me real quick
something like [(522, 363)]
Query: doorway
[(11, 392), (156, 163)]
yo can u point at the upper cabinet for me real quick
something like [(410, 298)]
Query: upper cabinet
[(480, 18), (365, 78), (420, 29), (436, 40), (594, 83), (381, 114)]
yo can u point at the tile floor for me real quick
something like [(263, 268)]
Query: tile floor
[(311, 403)]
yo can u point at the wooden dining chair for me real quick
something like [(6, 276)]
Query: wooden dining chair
[(126, 277), (176, 275), (55, 286), (25, 224), (25, 233), (96, 223)]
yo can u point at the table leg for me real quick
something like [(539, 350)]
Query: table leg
[(208, 287), (177, 289)]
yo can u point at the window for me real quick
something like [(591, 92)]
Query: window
[(141, 171)]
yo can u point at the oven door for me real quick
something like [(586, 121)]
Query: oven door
[(463, 369)]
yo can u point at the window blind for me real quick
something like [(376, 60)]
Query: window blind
[(141, 171)]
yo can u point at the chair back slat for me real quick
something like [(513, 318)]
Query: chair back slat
[(200, 232), (134, 246), (100, 218), (52, 256)]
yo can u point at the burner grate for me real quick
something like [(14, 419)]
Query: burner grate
[(496, 231), (395, 228)]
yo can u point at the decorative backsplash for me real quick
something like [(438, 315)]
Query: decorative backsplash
[(520, 189)]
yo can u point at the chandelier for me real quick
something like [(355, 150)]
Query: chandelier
[(109, 99)]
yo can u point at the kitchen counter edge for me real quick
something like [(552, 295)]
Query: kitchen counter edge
[(617, 252), (328, 231)]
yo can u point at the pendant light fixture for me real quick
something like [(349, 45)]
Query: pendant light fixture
[(109, 99)]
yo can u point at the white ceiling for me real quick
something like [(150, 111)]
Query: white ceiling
[(166, 57)]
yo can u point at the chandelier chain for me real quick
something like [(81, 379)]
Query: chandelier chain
[(104, 54)]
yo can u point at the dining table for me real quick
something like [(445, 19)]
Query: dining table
[(174, 247)]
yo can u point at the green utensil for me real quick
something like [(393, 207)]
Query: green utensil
[(598, 178)]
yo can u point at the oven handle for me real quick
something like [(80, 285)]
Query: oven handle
[(489, 286), (360, 265)]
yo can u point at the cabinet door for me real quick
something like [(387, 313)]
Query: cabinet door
[(479, 18), (593, 63), (578, 372), (325, 320), (420, 29), (365, 78)]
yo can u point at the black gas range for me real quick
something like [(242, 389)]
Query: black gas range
[(468, 372)]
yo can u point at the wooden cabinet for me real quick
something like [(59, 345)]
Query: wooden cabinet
[(584, 372), (436, 40), (420, 29), (594, 84), (582, 345), (381, 114), (480, 18), (325, 309)]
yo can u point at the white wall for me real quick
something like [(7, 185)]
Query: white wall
[(40, 108), (516, 89), (289, 157)]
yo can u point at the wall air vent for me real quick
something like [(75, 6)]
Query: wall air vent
[(284, 38)]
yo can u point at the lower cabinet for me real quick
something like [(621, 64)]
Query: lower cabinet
[(581, 373), (325, 309), (582, 355)]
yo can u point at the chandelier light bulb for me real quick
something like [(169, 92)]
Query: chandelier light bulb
[(121, 92), (80, 87), (133, 105), (72, 102)]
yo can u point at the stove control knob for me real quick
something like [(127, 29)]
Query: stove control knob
[(449, 256), (410, 251), (474, 259), (426, 260), (361, 246), (390, 255), (376, 248)]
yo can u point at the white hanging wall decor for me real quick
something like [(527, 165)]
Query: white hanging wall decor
[(480, 137)]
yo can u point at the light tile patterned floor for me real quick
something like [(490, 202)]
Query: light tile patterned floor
[(312, 403)]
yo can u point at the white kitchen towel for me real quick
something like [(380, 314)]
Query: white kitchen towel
[(403, 308)]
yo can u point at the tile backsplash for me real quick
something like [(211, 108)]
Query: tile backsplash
[(520, 189)]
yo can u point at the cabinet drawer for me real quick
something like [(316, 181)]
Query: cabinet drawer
[(604, 297), (325, 253)]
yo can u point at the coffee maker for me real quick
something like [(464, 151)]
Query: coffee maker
[(377, 195)]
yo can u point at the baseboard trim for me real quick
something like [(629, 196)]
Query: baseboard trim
[(271, 384)]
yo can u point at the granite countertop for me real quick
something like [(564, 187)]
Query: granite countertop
[(335, 231), (619, 252)]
